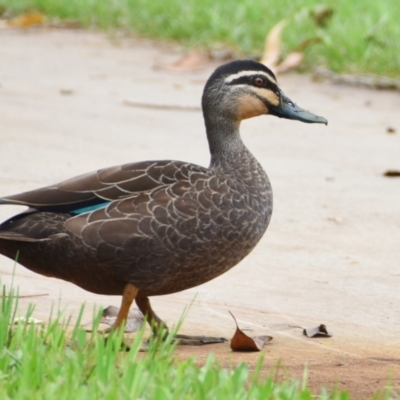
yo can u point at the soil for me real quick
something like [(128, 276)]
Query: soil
[(69, 104)]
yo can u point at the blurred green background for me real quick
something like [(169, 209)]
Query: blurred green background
[(356, 36)]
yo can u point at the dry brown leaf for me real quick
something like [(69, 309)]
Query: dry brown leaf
[(335, 219), (272, 51), (135, 319), (201, 340), (28, 19), (296, 57), (321, 14), (241, 342), (191, 61), (66, 92), (272, 48), (318, 331), (392, 173), (292, 61), (306, 43)]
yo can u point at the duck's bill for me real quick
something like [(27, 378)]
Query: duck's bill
[(288, 109)]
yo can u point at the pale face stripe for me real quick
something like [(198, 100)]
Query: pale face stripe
[(241, 74), (266, 94)]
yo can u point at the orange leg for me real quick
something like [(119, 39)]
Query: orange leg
[(152, 318), (128, 296)]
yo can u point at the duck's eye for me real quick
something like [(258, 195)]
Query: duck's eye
[(259, 81)]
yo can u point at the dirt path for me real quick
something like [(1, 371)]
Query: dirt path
[(331, 254)]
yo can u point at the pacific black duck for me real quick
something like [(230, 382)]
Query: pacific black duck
[(158, 227)]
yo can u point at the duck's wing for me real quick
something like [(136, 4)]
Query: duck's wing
[(150, 235), (103, 186)]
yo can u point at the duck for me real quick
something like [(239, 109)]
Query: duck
[(153, 228)]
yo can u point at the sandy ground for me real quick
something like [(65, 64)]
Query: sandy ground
[(331, 254)]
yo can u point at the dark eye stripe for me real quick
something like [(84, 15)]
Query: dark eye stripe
[(249, 80)]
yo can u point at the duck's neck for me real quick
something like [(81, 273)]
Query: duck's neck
[(223, 138), (229, 155)]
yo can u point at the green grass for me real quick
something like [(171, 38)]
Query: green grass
[(51, 362), (362, 36)]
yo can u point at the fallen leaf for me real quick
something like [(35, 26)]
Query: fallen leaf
[(321, 14), (223, 55), (272, 48), (135, 319), (198, 340), (392, 173), (191, 61), (296, 57), (241, 342), (272, 51), (390, 129), (66, 92), (318, 331), (28, 19), (306, 43), (292, 61), (335, 219)]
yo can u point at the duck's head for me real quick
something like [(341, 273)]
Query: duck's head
[(244, 89)]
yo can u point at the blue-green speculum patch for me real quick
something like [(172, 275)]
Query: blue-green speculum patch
[(89, 208)]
